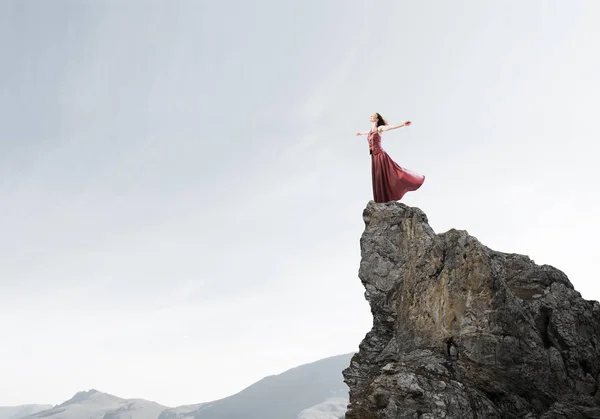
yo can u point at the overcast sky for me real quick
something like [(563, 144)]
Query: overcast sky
[(181, 188)]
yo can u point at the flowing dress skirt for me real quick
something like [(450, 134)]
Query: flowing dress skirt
[(390, 181)]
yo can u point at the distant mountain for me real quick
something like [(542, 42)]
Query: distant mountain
[(180, 412), (96, 405), (333, 408), (310, 391), (305, 390), (19, 412)]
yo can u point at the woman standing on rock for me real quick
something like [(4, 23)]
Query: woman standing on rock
[(390, 181)]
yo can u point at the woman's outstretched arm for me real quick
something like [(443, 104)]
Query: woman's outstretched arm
[(362, 133), (391, 127)]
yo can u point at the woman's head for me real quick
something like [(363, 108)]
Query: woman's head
[(378, 119)]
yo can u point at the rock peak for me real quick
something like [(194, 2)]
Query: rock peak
[(463, 331), (83, 396)]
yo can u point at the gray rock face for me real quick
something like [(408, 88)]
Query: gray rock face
[(462, 331)]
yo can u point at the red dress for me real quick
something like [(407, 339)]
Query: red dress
[(390, 181)]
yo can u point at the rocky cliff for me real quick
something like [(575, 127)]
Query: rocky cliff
[(462, 331)]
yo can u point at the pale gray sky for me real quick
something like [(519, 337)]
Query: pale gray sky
[(181, 189)]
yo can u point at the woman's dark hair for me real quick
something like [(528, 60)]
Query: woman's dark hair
[(380, 120)]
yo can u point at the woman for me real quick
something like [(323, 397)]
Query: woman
[(390, 181)]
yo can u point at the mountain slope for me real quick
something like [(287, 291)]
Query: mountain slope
[(285, 395), (181, 412), (310, 391), (19, 412), (97, 405), (333, 408)]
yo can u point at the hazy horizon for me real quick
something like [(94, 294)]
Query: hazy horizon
[(182, 188)]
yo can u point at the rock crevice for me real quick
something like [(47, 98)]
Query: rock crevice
[(463, 331)]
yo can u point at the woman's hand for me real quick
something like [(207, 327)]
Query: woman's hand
[(359, 134), (407, 123)]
